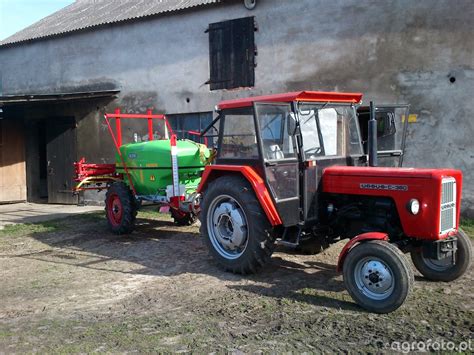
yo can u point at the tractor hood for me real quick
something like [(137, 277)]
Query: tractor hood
[(387, 172), (437, 190)]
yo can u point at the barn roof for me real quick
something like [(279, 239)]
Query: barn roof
[(85, 14)]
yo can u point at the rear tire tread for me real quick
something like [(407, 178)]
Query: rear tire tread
[(259, 228), (129, 208)]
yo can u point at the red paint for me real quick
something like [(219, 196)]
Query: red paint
[(212, 172), (84, 170), (117, 147), (307, 96), (422, 184), (149, 116), (175, 201), (195, 133), (354, 241), (118, 129), (134, 115), (150, 125), (118, 126), (173, 140), (114, 209)]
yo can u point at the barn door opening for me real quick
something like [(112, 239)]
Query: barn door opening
[(60, 157), (12, 161)]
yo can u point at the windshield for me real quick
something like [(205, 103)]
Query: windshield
[(329, 130)]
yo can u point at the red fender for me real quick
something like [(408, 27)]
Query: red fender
[(258, 184), (354, 241)]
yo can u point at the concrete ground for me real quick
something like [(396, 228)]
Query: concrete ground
[(33, 212)]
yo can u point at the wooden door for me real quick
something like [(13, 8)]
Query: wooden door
[(61, 155), (12, 161)]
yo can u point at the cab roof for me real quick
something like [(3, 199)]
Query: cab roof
[(309, 96)]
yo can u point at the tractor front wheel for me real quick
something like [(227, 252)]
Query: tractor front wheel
[(444, 269), (120, 208), (377, 276), (235, 227)]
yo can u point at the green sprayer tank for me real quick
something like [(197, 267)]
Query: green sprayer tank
[(149, 165)]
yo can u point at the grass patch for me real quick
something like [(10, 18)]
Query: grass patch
[(152, 213), (91, 216), (15, 230), (468, 226)]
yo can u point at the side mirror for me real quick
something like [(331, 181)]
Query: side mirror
[(385, 124), (291, 123)]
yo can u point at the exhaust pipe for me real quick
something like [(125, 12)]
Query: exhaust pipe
[(372, 137)]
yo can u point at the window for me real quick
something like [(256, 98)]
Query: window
[(239, 140), (232, 54), (186, 126), (276, 140), (329, 131), (332, 136)]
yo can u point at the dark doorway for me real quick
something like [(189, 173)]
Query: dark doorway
[(60, 156), (51, 153)]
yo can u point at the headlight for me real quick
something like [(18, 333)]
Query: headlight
[(414, 206)]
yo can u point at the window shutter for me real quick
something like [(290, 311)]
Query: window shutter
[(220, 38), (232, 54), (243, 54)]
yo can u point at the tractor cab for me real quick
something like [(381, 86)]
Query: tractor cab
[(289, 139)]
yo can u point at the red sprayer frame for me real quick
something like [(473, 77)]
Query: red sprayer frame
[(103, 173), (118, 127)]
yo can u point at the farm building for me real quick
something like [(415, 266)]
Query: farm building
[(60, 75)]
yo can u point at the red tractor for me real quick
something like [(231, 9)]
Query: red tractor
[(303, 169)]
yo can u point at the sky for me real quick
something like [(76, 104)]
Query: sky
[(18, 14)]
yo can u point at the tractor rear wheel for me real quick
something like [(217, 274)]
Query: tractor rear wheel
[(445, 270), (377, 276), (183, 219), (120, 208), (235, 227)]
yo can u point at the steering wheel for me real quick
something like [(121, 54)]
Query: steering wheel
[(313, 151)]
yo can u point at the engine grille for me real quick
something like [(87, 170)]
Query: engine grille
[(447, 220)]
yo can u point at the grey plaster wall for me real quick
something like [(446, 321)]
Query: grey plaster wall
[(393, 51)]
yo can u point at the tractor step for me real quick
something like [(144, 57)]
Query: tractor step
[(287, 244)]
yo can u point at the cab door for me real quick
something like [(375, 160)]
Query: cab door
[(392, 123), (280, 159)]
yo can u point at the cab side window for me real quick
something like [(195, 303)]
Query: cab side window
[(239, 139), (276, 140)]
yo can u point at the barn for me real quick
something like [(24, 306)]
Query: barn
[(60, 75)]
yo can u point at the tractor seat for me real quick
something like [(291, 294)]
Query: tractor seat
[(273, 152)]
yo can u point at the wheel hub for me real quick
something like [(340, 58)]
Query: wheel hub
[(229, 226), (115, 209), (374, 278)]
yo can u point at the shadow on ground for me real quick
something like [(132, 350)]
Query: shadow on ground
[(160, 248)]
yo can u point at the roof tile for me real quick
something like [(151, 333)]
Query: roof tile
[(83, 14)]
